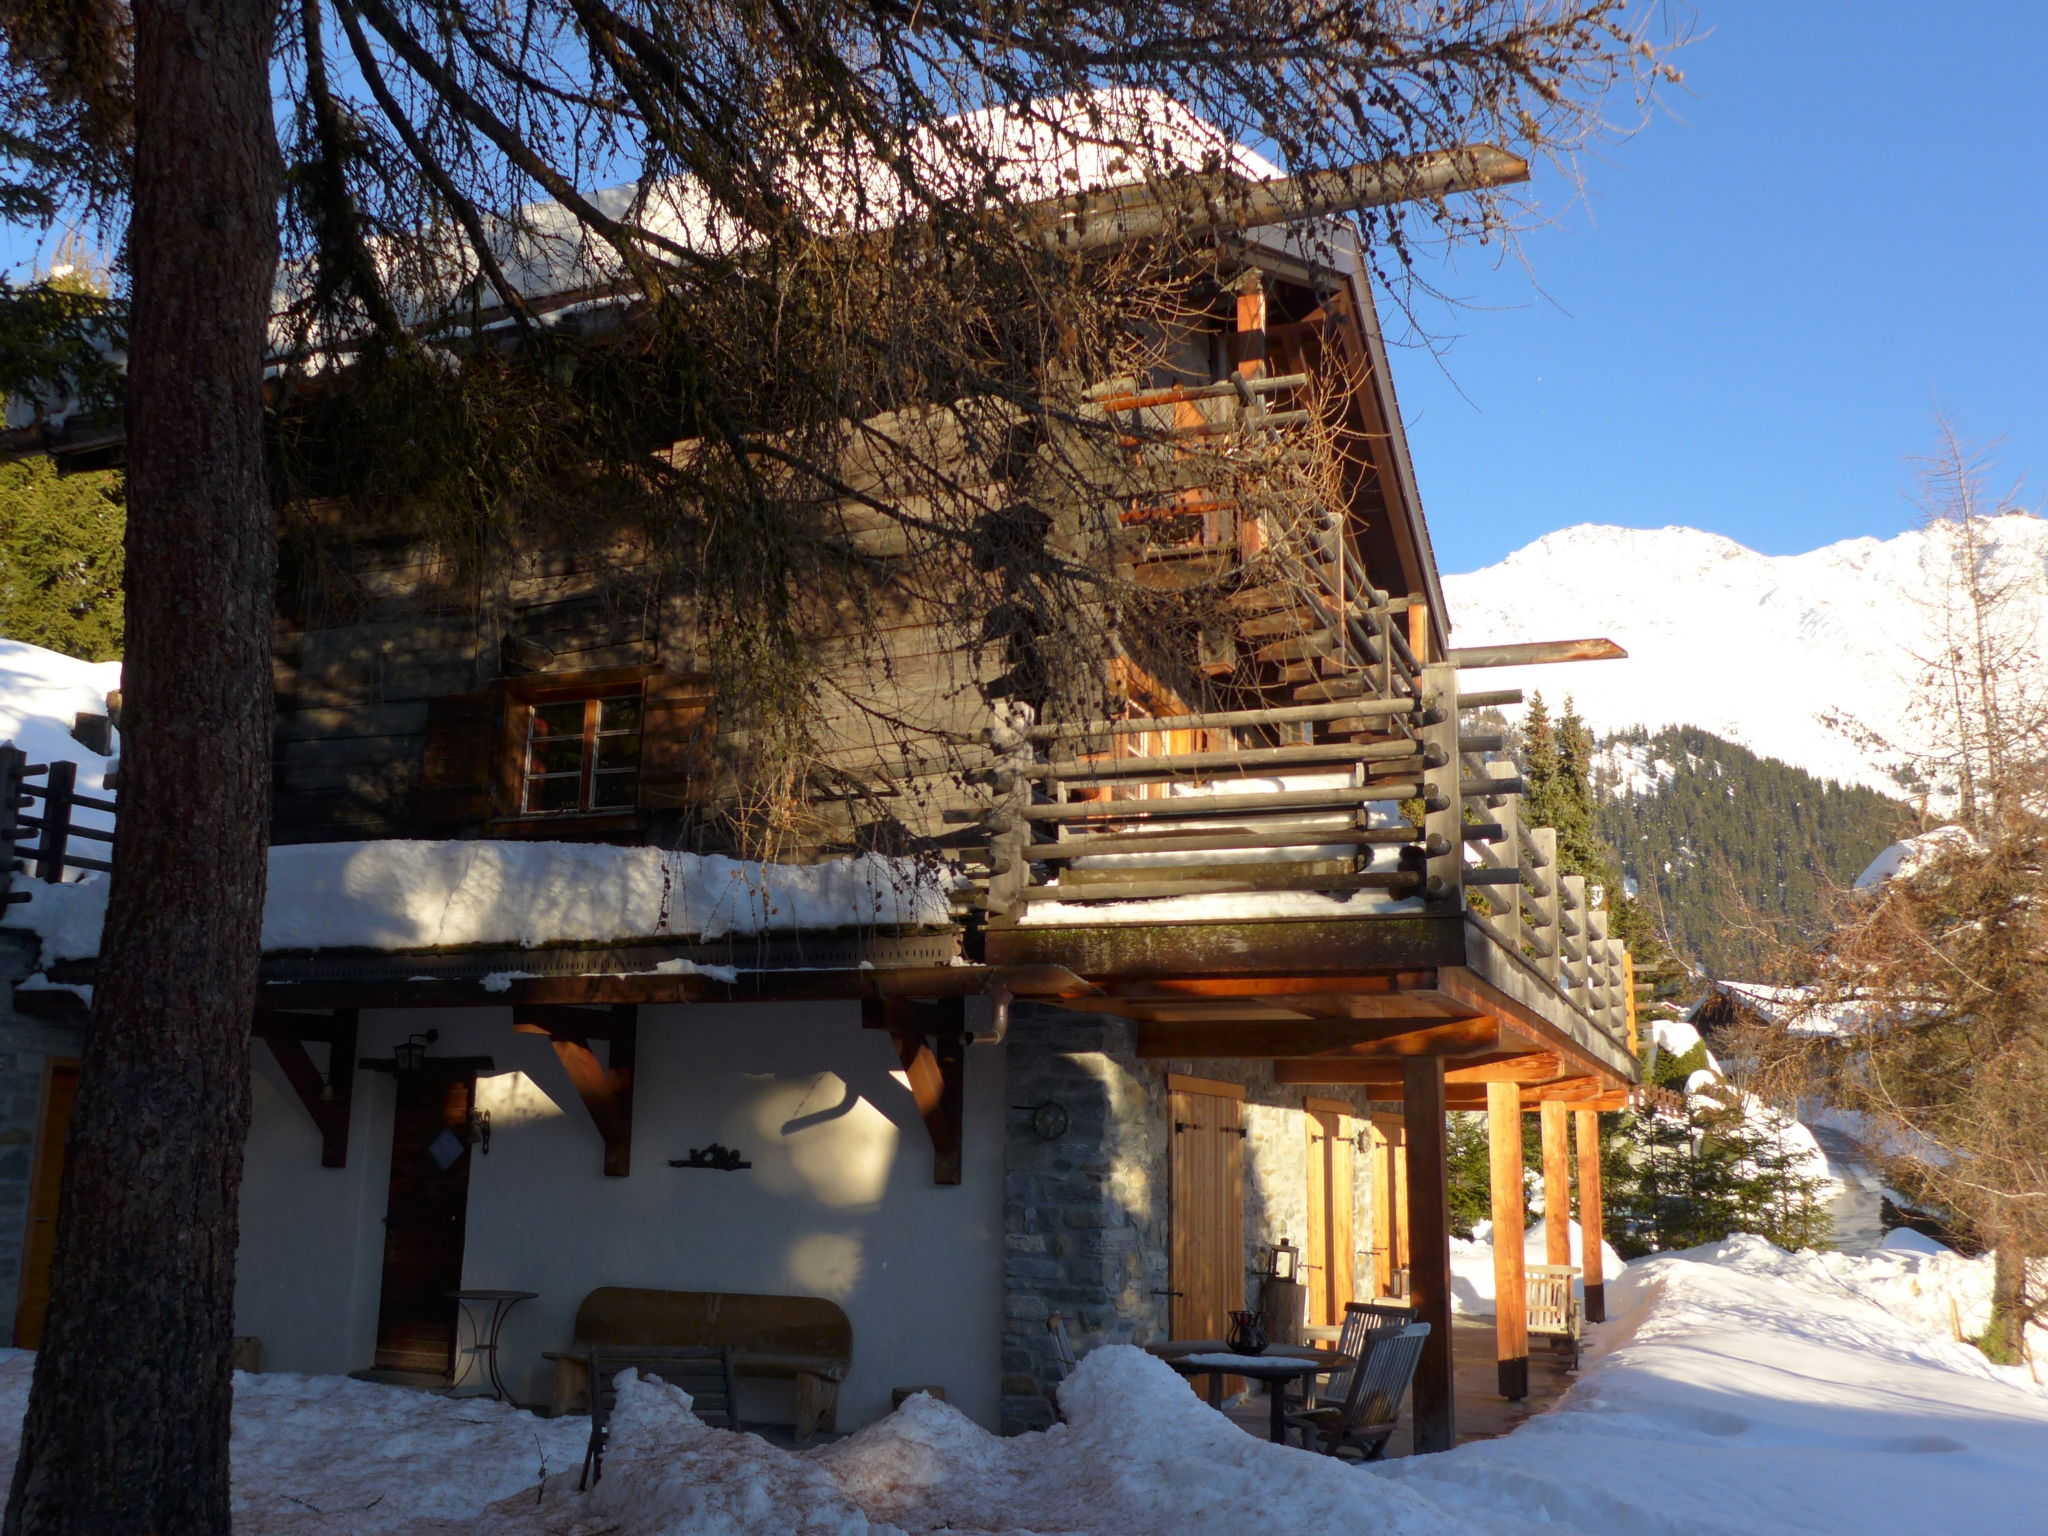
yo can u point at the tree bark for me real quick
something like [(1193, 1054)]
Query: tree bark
[(128, 1419), (2005, 1337)]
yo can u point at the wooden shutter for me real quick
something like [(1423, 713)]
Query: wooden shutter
[(1207, 1223), (1331, 1173), (461, 771), (677, 727)]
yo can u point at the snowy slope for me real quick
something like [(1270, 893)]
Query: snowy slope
[(1755, 648)]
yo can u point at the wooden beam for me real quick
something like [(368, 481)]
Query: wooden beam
[(1591, 1218), (1557, 1185), (1510, 1282), (1429, 1248), (931, 1043), (1524, 1067), (1261, 947), (1535, 653), (326, 1099), (1319, 1038), (606, 1087)]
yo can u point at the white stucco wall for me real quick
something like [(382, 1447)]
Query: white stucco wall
[(839, 1203)]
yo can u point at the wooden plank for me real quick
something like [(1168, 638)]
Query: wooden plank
[(1268, 947), (1535, 653), (1316, 1258), (1510, 1284), (1220, 1039), (1429, 1244), (1557, 1185), (1591, 1217)]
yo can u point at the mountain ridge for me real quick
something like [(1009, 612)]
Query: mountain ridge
[(1757, 649)]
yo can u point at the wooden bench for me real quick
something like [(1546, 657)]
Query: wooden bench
[(802, 1338), (1554, 1308)]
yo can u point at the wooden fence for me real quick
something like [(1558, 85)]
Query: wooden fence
[(39, 827)]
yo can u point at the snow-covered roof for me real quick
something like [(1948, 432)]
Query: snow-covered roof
[(1792, 1008), (1906, 858), (398, 895)]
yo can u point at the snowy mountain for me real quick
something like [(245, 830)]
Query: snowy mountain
[(1755, 648)]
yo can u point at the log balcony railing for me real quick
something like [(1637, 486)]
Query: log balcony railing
[(42, 844), (1409, 815)]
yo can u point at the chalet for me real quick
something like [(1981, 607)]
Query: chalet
[(1042, 1009)]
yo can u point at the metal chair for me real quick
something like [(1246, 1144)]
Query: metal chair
[(703, 1371), (1372, 1405)]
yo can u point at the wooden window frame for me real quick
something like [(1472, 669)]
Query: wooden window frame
[(522, 695)]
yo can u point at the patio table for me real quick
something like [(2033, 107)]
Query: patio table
[(1279, 1365)]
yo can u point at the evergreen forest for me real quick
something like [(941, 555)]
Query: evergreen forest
[(1746, 848)]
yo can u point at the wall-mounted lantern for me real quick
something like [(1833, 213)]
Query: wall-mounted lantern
[(410, 1054)]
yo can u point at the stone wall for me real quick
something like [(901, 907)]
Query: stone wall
[(1086, 1215)]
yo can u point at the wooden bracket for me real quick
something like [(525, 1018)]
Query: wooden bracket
[(606, 1088), (931, 1042), (326, 1098)]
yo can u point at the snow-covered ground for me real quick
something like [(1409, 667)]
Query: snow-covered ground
[(1739, 1388)]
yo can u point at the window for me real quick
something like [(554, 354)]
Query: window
[(582, 756)]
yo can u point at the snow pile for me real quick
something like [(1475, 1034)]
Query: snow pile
[(42, 693), (1138, 1455), (397, 895), (1702, 618), (328, 1456), (1741, 1390)]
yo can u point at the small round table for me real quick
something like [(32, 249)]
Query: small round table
[(1278, 1366), (483, 1333)]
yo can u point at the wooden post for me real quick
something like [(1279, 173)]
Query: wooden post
[(1545, 917), (1557, 1185), (1445, 826), (1429, 1257), (1591, 1218), (59, 789), (1628, 993), (1510, 1283)]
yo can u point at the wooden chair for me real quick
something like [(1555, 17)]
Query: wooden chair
[(1361, 1318), (1372, 1405), (1553, 1308), (703, 1371)]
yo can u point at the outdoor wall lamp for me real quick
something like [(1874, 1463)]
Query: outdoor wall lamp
[(410, 1054)]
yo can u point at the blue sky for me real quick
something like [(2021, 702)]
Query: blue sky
[(1777, 282)]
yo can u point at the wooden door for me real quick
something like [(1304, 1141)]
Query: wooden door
[(1329, 1262), (424, 1218), (1206, 1245), (53, 1125)]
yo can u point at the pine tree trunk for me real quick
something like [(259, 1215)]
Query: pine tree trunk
[(128, 1419), (2005, 1338)]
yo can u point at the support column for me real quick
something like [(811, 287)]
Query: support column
[(1510, 1282), (1591, 1218), (1557, 1184), (1429, 1247)]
